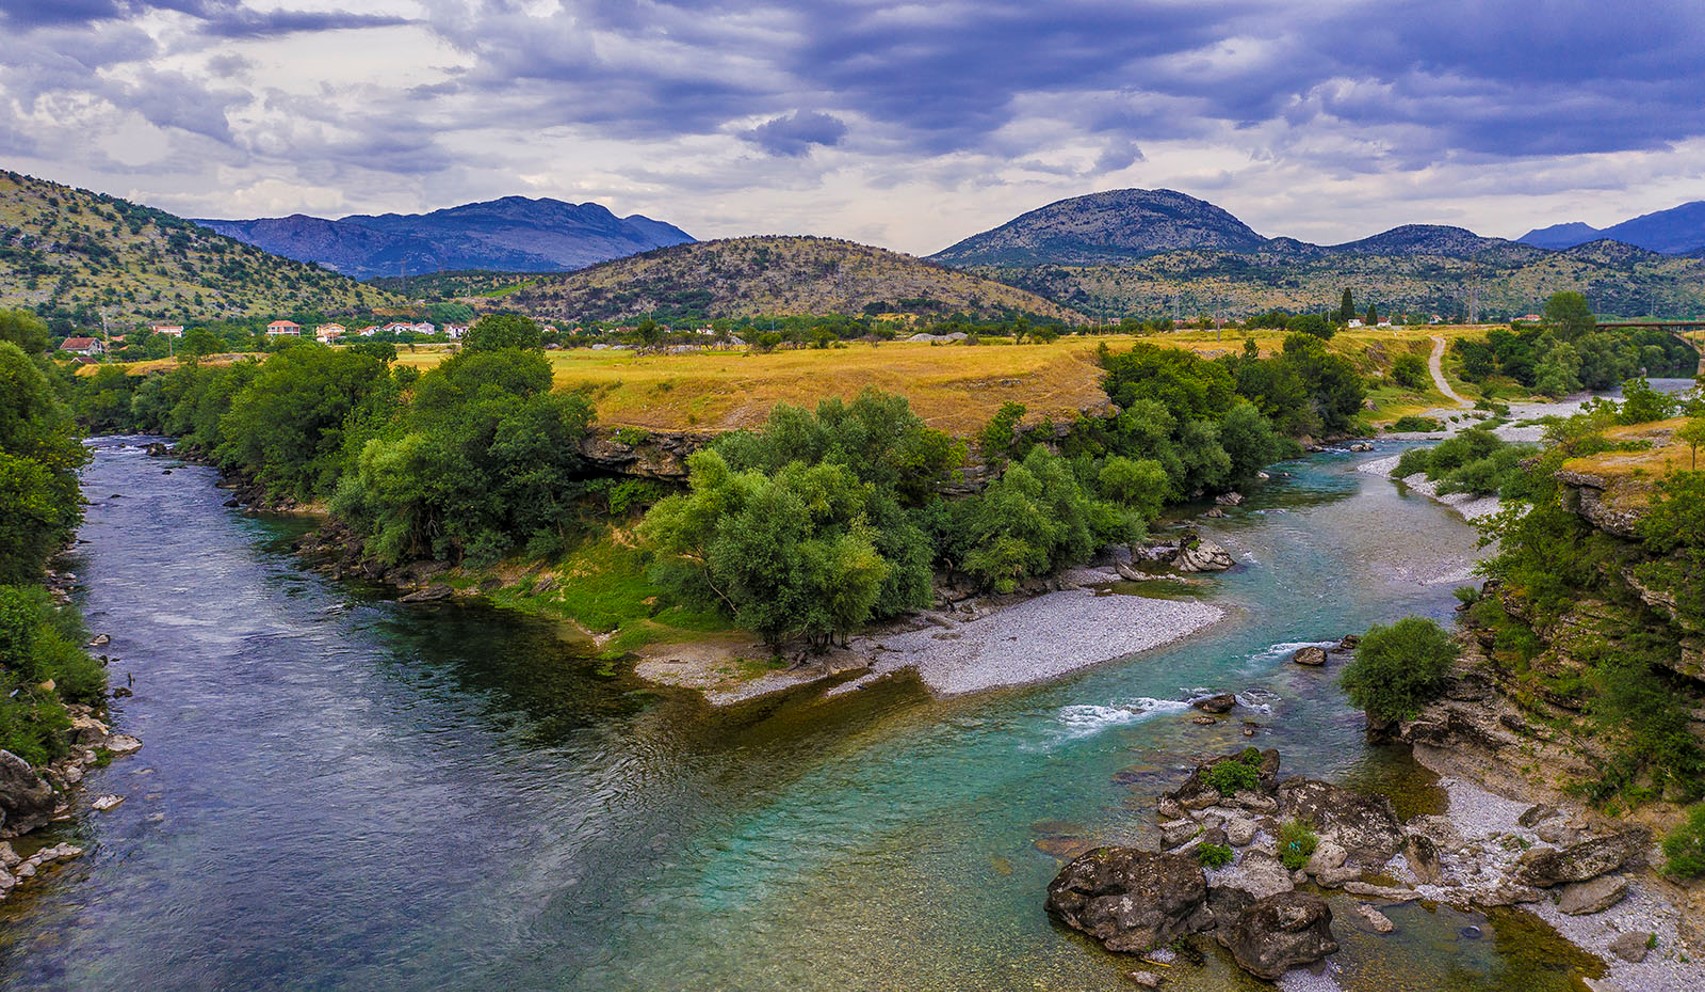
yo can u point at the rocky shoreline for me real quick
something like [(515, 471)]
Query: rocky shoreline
[(33, 799), (1251, 858)]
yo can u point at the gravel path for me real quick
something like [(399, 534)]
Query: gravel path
[(1035, 640), (1435, 362)]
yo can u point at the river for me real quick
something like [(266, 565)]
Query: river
[(338, 791)]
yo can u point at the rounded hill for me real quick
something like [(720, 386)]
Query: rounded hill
[(774, 274), (1106, 229)]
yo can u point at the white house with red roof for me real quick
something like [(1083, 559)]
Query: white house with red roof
[(88, 347), (279, 328)]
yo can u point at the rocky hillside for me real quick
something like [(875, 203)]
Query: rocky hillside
[(773, 275), (1105, 228), (1616, 279), (513, 234), (69, 252)]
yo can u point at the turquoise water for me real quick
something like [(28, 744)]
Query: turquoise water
[(340, 792)]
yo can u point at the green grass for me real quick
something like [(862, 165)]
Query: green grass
[(602, 587)]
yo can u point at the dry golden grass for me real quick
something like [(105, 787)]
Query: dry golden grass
[(953, 387), (1665, 456)]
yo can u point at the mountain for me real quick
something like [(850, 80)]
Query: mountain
[(512, 234), (1155, 253), (772, 275), (1676, 231), (1105, 228), (1561, 235), (1437, 240), (69, 253)]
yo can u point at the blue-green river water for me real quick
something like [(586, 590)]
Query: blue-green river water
[(342, 792)]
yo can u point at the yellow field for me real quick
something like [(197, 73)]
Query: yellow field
[(953, 387)]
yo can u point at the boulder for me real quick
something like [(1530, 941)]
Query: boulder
[(1144, 979), (26, 801), (123, 744), (1131, 900), (1504, 894), (1253, 877), (1240, 832), (1327, 856), (1544, 867), (1632, 947), (1596, 896), (1366, 826), (1423, 857), (432, 593), (1196, 793), (1233, 498), (1203, 555), (1536, 814), (1347, 644), (1278, 933), (1218, 703), (1311, 656)]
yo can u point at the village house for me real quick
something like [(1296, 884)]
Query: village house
[(455, 331), (169, 330), (327, 333), (88, 347), (283, 327), (368, 331), (1355, 322)]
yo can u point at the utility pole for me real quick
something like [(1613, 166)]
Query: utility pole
[(106, 334)]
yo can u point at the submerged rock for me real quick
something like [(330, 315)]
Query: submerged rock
[(1220, 703), (1131, 900), (1279, 933)]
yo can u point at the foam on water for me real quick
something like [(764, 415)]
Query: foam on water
[(1085, 719)]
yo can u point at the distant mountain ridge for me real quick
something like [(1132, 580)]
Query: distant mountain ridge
[(511, 234), (1161, 252), (1676, 231)]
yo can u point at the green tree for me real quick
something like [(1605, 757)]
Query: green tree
[(1346, 307), (40, 503), (1373, 316), (1641, 404), (1410, 372), (1398, 669), (1558, 373), (1692, 434), (1568, 316), (1312, 324), (497, 331), (1139, 484), (25, 330)]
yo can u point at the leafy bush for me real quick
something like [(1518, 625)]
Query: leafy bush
[(1411, 372), (1214, 855), (1398, 669), (1413, 424), (1297, 841), (1684, 847), (1231, 777)]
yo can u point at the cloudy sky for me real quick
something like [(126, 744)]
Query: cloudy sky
[(908, 125)]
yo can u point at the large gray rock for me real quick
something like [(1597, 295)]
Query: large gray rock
[(1253, 877), (1596, 896), (1311, 656), (1278, 933), (1632, 947), (1202, 555), (1365, 826), (1196, 793), (1130, 900), (1547, 866), (26, 802)]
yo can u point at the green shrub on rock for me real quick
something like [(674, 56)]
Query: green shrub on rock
[(1398, 669), (1214, 855), (1297, 841), (1684, 847), (1231, 777)]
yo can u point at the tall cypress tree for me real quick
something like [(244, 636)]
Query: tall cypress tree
[(1346, 309)]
